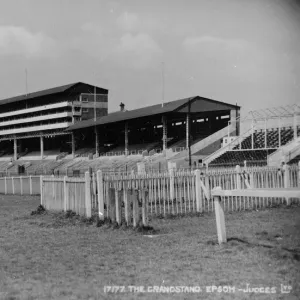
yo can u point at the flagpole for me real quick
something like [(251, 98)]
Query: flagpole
[(163, 84)]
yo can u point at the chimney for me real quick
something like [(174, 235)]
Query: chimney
[(122, 105)]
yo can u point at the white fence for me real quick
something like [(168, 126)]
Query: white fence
[(23, 185), (124, 197), (65, 193)]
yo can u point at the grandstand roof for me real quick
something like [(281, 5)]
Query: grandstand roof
[(51, 91), (273, 112), (157, 109)]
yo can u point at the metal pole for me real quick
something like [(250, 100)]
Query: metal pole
[(189, 140)]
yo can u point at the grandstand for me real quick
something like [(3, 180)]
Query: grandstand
[(262, 144), (175, 125), (33, 126), (67, 131)]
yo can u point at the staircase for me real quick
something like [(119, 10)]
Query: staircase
[(285, 153)]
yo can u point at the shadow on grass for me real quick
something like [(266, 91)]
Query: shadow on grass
[(44, 218), (294, 252)]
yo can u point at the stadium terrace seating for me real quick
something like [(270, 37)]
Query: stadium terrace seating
[(3, 166), (232, 158), (135, 148), (85, 152), (35, 155), (295, 160), (182, 142), (103, 163), (287, 134), (37, 167)]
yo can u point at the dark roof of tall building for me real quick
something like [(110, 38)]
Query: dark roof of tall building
[(51, 91), (157, 109)]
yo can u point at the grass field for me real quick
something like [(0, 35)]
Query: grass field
[(53, 257)]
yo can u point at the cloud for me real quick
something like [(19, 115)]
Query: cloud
[(126, 47), (131, 22), (18, 40), (128, 21), (139, 50), (236, 58), (195, 44)]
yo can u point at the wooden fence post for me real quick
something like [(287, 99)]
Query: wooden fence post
[(126, 206), (13, 185), (199, 206), (135, 212), (118, 205), (5, 185), (144, 207), (298, 183), (220, 219), (286, 181), (65, 194), (41, 189), (207, 186), (30, 185), (112, 204), (88, 206), (172, 182), (238, 177), (252, 179), (100, 194), (21, 185), (94, 195)]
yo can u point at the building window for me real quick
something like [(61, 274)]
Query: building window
[(85, 110), (85, 99)]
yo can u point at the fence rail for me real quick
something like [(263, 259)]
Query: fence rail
[(21, 185), (125, 196)]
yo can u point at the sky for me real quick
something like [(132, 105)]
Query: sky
[(148, 51)]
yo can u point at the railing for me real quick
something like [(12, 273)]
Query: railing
[(228, 147), (36, 128), (20, 185), (166, 193), (154, 193), (37, 118), (250, 198), (36, 108)]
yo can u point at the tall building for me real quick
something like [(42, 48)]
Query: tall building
[(38, 120)]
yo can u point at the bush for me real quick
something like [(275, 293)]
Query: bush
[(39, 211)]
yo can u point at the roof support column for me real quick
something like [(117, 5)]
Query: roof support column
[(279, 132), (296, 121), (233, 117), (73, 144), (97, 141), (126, 139), (252, 134), (15, 149), (266, 120), (42, 146), (187, 127), (165, 132)]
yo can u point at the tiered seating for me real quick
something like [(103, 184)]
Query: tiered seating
[(35, 155), (253, 157), (66, 164), (287, 134), (37, 167), (102, 163), (135, 147), (182, 142), (84, 152), (295, 160), (3, 166)]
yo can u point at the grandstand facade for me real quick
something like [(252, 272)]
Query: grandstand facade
[(267, 137), (67, 130), (33, 125), (174, 126)]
